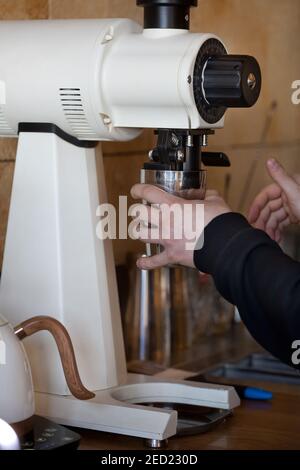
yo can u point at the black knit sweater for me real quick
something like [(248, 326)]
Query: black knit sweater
[(252, 272)]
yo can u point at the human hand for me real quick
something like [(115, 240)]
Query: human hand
[(182, 235), (277, 205)]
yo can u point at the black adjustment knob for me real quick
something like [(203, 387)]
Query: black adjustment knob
[(167, 14), (232, 81)]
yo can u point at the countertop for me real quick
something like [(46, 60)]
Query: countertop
[(273, 425)]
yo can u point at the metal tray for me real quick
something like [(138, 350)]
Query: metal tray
[(258, 367)]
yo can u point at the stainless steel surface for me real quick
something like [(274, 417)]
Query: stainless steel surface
[(190, 141), (251, 81), (180, 156), (172, 307), (144, 315), (149, 316), (204, 140), (155, 444), (258, 367), (179, 183)]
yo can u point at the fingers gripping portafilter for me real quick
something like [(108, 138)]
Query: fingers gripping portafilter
[(217, 81)]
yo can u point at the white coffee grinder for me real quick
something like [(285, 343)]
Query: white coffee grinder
[(65, 85)]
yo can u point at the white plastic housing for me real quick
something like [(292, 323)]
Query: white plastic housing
[(147, 80), (54, 264), (97, 79)]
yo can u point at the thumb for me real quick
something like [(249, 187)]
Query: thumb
[(281, 177)]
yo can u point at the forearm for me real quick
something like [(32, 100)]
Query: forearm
[(252, 272)]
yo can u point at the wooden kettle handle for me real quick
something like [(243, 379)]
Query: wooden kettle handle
[(65, 347)]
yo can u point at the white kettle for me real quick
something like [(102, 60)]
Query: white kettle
[(16, 387)]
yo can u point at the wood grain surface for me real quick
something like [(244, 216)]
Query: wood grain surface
[(65, 347)]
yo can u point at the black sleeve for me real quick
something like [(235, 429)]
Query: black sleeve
[(252, 272)]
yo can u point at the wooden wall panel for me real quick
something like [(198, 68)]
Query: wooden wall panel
[(13, 10), (23, 9), (269, 30)]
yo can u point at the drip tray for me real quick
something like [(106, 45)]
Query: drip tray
[(193, 420), (258, 367)]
